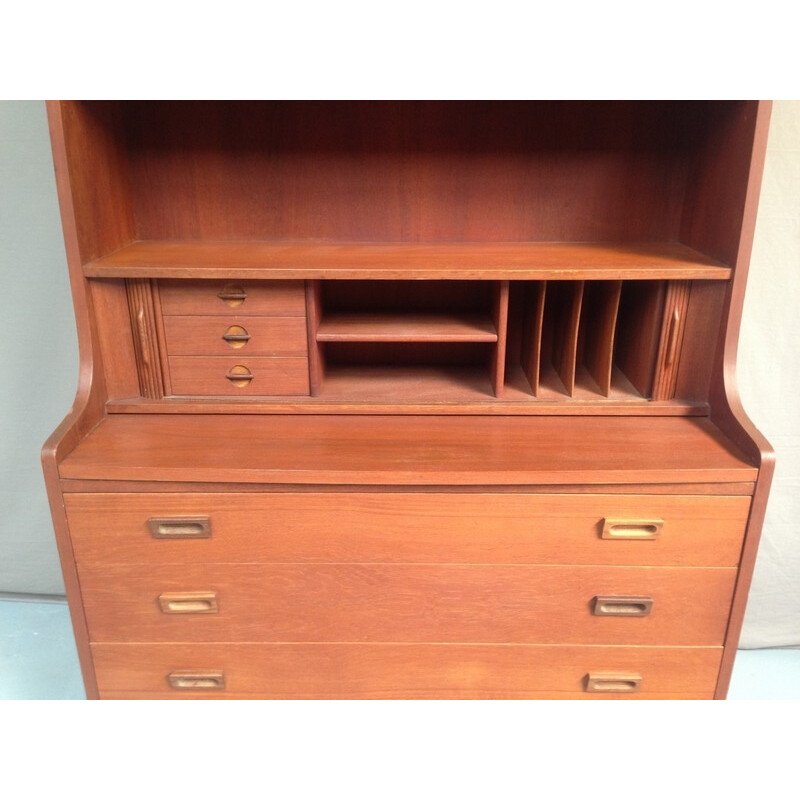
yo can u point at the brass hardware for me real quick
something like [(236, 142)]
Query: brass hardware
[(180, 527), (188, 603), (239, 375), (613, 682), (193, 679), (232, 295), (631, 528), (236, 336), (674, 329), (622, 606)]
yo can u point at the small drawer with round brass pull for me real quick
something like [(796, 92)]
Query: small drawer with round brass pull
[(214, 375), (209, 335), (621, 682), (196, 679), (622, 606), (188, 603), (263, 298)]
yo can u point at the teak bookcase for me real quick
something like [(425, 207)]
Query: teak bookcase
[(408, 399)]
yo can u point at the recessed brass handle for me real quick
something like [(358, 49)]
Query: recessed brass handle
[(631, 528), (188, 603), (232, 295), (236, 336), (239, 375), (193, 679), (180, 527), (613, 682), (622, 606)]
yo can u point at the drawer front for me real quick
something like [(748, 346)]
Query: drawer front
[(468, 528), (407, 603), (394, 671), (236, 336), (250, 375), (274, 298)]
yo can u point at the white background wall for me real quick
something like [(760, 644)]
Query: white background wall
[(38, 362)]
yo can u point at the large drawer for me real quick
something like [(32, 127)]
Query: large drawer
[(406, 603), (388, 671), (278, 298), (467, 528)]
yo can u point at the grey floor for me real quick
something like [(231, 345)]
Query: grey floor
[(38, 660)]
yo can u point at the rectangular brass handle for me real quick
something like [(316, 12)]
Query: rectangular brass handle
[(188, 603), (193, 679), (180, 527), (613, 682), (631, 528), (622, 606)]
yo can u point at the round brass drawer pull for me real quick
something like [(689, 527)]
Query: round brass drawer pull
[(232, 295), (239, 375), (236, 336)]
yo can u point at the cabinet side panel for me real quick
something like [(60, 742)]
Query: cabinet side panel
[(97, 163)]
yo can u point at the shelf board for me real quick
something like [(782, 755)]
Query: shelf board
[(406, 328), (419, 261), (380, 450)]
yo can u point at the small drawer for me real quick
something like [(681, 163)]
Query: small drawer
[(233, 376), (395, 671), (267, 298), (412, 603), (234, 335)]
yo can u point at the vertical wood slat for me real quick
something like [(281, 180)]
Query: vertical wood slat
[(500, 315), (316, 354), (532, 345), (640, 314), (601, 306), (145, 337), (673, 326), (568, 299)]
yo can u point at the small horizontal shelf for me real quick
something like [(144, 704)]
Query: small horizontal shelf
[(406, 328), (418, 261)]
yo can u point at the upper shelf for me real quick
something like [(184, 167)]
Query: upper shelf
[(421, 261)]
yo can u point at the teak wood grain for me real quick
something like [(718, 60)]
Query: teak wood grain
[(403, 671), (489, 528), (429, 261), (384, 450), (203, 335), (207, 375), (408, 603)]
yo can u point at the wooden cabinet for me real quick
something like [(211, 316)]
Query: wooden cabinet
[(408, 400)]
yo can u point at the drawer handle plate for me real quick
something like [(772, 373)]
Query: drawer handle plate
[(188, 603), (631, 528), (622, 606), (194, 679), (180, 527), (232, 295), (239, 375), (236, 336), (626, 682)]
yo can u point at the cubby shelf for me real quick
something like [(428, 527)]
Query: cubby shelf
[(418, 261), (406, 328)]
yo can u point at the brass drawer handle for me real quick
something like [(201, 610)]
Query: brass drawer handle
[(613, 682), (236, 336), (622, 606), (239, 375), (631, 528), (188, 603), (190, 679), (232, 295), (180, 527)]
